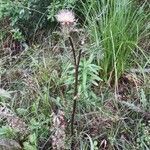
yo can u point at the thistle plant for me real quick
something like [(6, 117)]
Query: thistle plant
[(67, 21)]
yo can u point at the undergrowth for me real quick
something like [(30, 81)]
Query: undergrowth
[(37, 80)]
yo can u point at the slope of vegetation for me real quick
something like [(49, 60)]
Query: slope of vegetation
[(38, 75)]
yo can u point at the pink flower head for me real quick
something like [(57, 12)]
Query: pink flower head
[(66, 17)]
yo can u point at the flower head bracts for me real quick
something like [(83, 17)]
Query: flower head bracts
[(66, 17), (67, 20)]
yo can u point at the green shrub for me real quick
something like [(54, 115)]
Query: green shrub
[(30, 16)]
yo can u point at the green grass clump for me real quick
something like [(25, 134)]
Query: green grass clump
[(115, 27)]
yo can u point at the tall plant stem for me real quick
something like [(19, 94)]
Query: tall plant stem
[(76, 66), (73, 50)]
